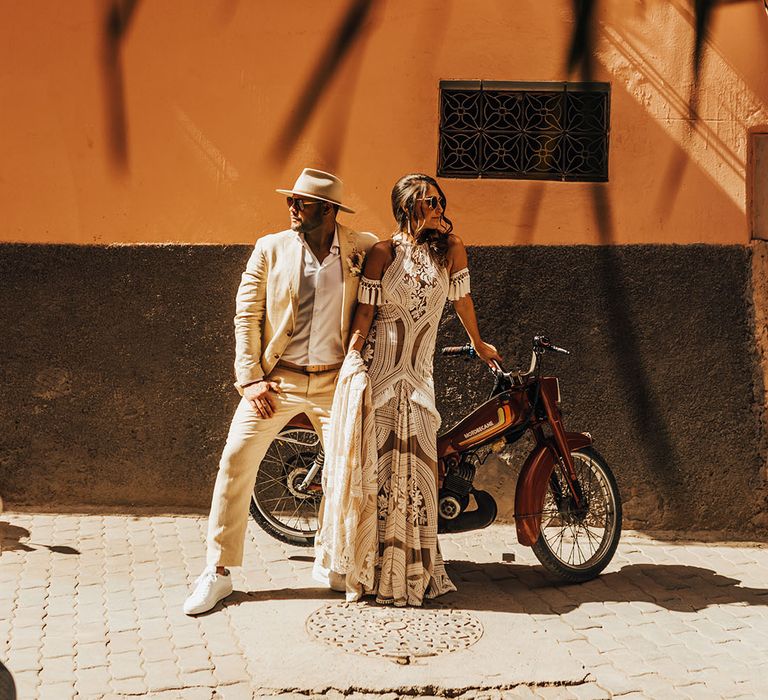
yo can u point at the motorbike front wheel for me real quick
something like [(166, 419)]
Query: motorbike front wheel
[(282, 504), (578, 541)]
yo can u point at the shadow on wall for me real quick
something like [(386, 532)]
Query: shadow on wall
[(649, 79), (622, 327), (661, 372), (116, 389), (117, 21)]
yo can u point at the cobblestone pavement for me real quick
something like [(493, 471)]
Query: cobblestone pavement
[(90, 607)]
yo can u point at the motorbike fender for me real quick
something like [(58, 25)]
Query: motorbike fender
[(532, 486), (301, 421)]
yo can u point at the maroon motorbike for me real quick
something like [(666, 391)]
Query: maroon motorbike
[(567, 503)]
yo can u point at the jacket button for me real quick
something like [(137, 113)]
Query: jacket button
[(275, 355), (289, 333)]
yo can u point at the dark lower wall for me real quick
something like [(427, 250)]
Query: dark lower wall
[(117, 390)]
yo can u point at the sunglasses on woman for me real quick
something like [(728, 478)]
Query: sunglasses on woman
[(433, 201)]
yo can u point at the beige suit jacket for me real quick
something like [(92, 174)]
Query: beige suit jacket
[(268, 299)]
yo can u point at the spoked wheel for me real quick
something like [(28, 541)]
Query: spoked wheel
[(577, 542), (283, 504)]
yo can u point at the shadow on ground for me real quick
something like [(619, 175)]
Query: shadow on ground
[(11, 536), (730, 538), (517, 588), (528, 589), (7, 686), (319, 593)]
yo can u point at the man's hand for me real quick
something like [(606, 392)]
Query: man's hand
[(261, 395)]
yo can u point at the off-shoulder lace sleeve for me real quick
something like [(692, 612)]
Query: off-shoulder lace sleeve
[(459, 284), (369, 291)]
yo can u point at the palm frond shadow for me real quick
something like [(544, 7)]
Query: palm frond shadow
[(580, 57), (524, 589), (261, 596), (625, 344), (624, 335), (498, 587), (7, 684), (11, 536), (339, 45), (226, 10), (336, 116), (702, 19), (529, 212), (580, 51), (117, 20)]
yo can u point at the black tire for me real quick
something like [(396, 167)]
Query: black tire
[(575, 544), (277, 506)]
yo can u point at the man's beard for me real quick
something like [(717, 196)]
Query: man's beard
[(309, 223)]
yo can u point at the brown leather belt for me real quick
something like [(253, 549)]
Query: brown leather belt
[(308, 369)]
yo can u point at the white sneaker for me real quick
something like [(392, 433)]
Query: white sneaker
[(210, 588)]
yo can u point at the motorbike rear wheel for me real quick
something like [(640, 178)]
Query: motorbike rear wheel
[(278, 504), (577, 543)]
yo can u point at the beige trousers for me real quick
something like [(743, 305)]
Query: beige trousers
[(247, 443)]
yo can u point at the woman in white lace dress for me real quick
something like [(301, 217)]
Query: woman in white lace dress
[(405, 283)]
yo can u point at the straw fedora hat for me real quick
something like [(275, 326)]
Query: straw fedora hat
[(319, 185)]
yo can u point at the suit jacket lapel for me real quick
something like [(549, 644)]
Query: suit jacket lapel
[(293, 260)]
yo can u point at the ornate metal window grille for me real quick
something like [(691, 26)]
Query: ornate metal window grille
[(531, 131)]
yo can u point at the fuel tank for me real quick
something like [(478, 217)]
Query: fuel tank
[(486, 423)]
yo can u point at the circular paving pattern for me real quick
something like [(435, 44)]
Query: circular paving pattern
[(398, 633)]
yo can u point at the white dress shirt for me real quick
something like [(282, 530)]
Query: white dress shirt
[(317, 336)]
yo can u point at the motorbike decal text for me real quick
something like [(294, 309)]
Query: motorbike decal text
[(490, 428), (478, 430)]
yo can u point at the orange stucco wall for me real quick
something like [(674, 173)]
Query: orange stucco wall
[(208, 86)]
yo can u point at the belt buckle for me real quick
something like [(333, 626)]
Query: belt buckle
[(319, 369), (308, 369)]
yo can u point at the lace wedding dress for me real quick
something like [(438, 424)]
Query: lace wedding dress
[(399, 353), (379, 521)]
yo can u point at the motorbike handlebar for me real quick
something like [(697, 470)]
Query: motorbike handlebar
[(541, 344), (457, 350)]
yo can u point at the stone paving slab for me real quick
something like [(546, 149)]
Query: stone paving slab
[(90, 607)]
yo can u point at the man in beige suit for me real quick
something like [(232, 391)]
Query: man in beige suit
[(294, 306)]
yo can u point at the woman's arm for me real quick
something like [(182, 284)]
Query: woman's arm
[(376, 262), (465, 309), (361, 324)]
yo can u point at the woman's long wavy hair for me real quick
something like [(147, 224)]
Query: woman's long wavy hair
[(407, 190)]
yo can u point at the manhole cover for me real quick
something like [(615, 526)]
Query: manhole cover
[(398, 633)]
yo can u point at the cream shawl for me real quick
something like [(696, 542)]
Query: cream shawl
[(347, 540)]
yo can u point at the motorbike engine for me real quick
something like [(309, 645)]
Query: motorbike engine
[(454, 494)]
